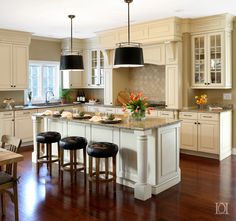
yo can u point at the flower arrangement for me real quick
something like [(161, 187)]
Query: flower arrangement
[(200, 100), (137, 106)]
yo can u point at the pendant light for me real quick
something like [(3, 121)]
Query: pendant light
[(71, 60), (128, 54)]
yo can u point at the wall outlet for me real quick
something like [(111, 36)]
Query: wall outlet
[(227, 96)]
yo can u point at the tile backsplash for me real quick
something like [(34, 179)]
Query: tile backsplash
[(149, 79), (18, 96)]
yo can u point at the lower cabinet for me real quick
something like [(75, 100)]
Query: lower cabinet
[(24, 125), (6, 123), (205, 133)]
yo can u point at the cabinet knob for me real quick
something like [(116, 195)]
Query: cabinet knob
[(11, 85), (198, 123), (70, 84), (195, 122), (205, 83), (14, 85), (208, 83)]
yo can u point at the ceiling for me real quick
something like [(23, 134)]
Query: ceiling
[(48, 18)]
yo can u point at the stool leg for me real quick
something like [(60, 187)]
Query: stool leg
[(97, 169), (114, 168), (75, 163), (50, 158), (90, 167), (38, 156), (71, 165), (106, 168), (62, 162), (59, 158), (3, 203), (85, 165), (114, 173), (47, 154)]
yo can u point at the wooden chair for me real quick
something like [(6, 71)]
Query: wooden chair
[(8, 174)]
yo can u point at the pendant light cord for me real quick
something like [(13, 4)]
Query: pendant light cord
[(128, 24), (71, 32)]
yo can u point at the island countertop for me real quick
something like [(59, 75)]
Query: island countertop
[(148, 123)]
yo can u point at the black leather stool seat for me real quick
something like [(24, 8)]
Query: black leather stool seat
[(102, 149), (73, 143), (48, 137)]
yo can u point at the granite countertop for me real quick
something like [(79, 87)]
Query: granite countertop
[(204, 110), (148, 123)]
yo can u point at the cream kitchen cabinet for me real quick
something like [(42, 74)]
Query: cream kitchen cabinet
[(6, 123), (24, 125), (173, 87), (154, 54), (202, 134), (72, 79), (95, 68), (14, 66), (211, 60)]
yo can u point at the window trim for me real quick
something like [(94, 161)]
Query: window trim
[(43, 63)]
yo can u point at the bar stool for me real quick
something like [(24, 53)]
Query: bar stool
[(100, 150), (47, 138), (73, 144)]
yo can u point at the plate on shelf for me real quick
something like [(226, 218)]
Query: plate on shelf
[(115, 121), (86, 116)]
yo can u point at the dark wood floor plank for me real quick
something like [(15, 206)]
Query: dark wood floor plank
[(204, 183)]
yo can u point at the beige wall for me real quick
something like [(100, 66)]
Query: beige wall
[(44, 50), (214, 95), (149, 79)]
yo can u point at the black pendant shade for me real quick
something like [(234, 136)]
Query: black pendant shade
[(128, 57), (71, 62), (128, 54)]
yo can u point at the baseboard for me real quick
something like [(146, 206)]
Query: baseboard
[(233, 151)]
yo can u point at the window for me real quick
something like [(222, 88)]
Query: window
[(43, 76)]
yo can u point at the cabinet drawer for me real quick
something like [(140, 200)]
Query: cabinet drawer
[(188, 115), (6, 114), (24, 113), (153, 113), (208, 117), (166, 114), (93, 109)]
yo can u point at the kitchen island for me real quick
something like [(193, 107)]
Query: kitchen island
[(148, 157)]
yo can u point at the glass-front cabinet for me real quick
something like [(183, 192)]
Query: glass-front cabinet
[(96, 76), (211, 64)]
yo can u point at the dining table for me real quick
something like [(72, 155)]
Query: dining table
[(9, 157)]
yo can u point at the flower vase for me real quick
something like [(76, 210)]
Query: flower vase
[(30, 103), (138, 116), (200, 106)]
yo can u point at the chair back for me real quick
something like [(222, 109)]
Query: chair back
[(12, 144)]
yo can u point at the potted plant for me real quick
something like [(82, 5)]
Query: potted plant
[(64, 95)]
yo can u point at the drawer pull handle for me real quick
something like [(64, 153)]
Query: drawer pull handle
[(26, 113), (207, 116), (7, 114), (187, 115)]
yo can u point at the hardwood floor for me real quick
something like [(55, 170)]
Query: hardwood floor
[(204, 183)]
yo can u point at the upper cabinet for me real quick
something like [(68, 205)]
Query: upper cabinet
[(72, 79), (94, 70), (212, 52), (14, 66), (14, 56), (211, 60)]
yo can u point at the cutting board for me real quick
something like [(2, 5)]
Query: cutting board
[(123, 97)]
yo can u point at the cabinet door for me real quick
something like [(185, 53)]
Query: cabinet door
[(108, 95), (216, 55), (72, 79), (199, 61), (7, 127), (23, 120), (208, 137), (6, 66), (173, 92), (154, 54), (20, 66), (189, 135)]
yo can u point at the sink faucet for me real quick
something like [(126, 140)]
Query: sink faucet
[(46, 96)]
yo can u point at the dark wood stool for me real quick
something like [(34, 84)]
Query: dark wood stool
[(100, 150), (47, 138), (73, 144)]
